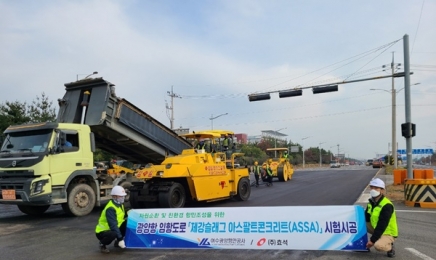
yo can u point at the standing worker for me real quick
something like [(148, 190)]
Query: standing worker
[(269, 173), (256, 170), (381, 220), (285, 155), (112, 222), (226, 143)]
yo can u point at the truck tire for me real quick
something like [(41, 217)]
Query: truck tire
[(33, 210), (80, 200), (282, 173), (134, 201), (174, 198), (244, 190), (126, 185)]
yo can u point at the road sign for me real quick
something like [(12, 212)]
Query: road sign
[(295, 149), (416, 151)]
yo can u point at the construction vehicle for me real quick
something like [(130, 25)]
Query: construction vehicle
[(193, 176), (37, 170), (280, 166)]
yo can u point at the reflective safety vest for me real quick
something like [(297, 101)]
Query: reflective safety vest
[(256, 169), (226, 142), (285, 156), (200, 146), (103, 225), (392, 228), (268, 170)]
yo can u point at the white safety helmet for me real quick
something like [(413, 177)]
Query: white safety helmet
[(118, 191), (377, 183)]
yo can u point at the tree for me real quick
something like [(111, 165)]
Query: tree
[(13, 113), (16, 113), (41, 110)]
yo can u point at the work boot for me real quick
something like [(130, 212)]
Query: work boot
[(103, 249), (391, 253)]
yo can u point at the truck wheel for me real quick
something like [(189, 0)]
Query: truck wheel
[(282, 173), (174, 198), (33, 210), (80, 201), (244, 190), (126, 185)]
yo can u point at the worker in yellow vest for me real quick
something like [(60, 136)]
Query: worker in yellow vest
[(256, 171), (112, 222), (269, 173), (381, 220)]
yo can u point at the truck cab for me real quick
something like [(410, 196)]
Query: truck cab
[(36, 166)]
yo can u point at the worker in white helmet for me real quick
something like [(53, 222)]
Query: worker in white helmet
[(112, 222), (381, 220)]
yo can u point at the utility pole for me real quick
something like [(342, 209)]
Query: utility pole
[(320, 157), (172, 95), (394, 115)]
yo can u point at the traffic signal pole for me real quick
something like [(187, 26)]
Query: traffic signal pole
[(407, 104)]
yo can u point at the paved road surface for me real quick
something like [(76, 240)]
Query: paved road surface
[(56, 236)]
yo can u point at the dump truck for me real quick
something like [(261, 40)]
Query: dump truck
[(281, 167), (196, 175), (38, 169)]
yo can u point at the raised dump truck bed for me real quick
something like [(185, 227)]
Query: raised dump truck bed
[(119, 127)]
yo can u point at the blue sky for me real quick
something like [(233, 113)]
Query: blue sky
[(215, 53)]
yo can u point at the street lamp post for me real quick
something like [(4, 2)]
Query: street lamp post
[(302, 148), (77, 75), (331, 155), (212, 118), (275, 140), (320, 157)]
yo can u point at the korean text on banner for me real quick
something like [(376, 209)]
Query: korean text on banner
[(283, 228)]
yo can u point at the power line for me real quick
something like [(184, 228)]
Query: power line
[(419, 22)]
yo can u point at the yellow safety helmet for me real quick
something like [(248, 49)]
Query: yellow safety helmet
[(256, 163)]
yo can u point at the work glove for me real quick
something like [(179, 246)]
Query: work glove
[(121, 244)]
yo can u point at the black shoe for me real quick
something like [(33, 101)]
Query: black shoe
[(103, 249), (391, 253), (116, 244), (257, 185)]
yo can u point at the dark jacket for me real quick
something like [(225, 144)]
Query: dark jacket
[(111, 217), (383, 221)]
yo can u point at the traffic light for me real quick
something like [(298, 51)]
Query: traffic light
[(318, 90), (408, 130), (290, 93), (259, 97)]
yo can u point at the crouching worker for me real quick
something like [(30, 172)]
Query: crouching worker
[(112, 222), (381, 220)]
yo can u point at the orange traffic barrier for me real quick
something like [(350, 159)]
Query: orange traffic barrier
[(420, 193), (399, 176), (418, 174), (429, 174)]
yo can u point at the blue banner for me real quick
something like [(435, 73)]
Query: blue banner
[(283, 228), (417, 151)]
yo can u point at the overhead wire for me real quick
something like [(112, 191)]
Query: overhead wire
[(353, 59)]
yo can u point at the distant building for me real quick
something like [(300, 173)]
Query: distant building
[(241, 138), (181, 131), (254, 139)]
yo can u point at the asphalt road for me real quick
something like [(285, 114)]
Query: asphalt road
[(56, 236)]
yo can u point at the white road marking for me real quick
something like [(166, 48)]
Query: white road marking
[(418, 254), (415, 211)]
